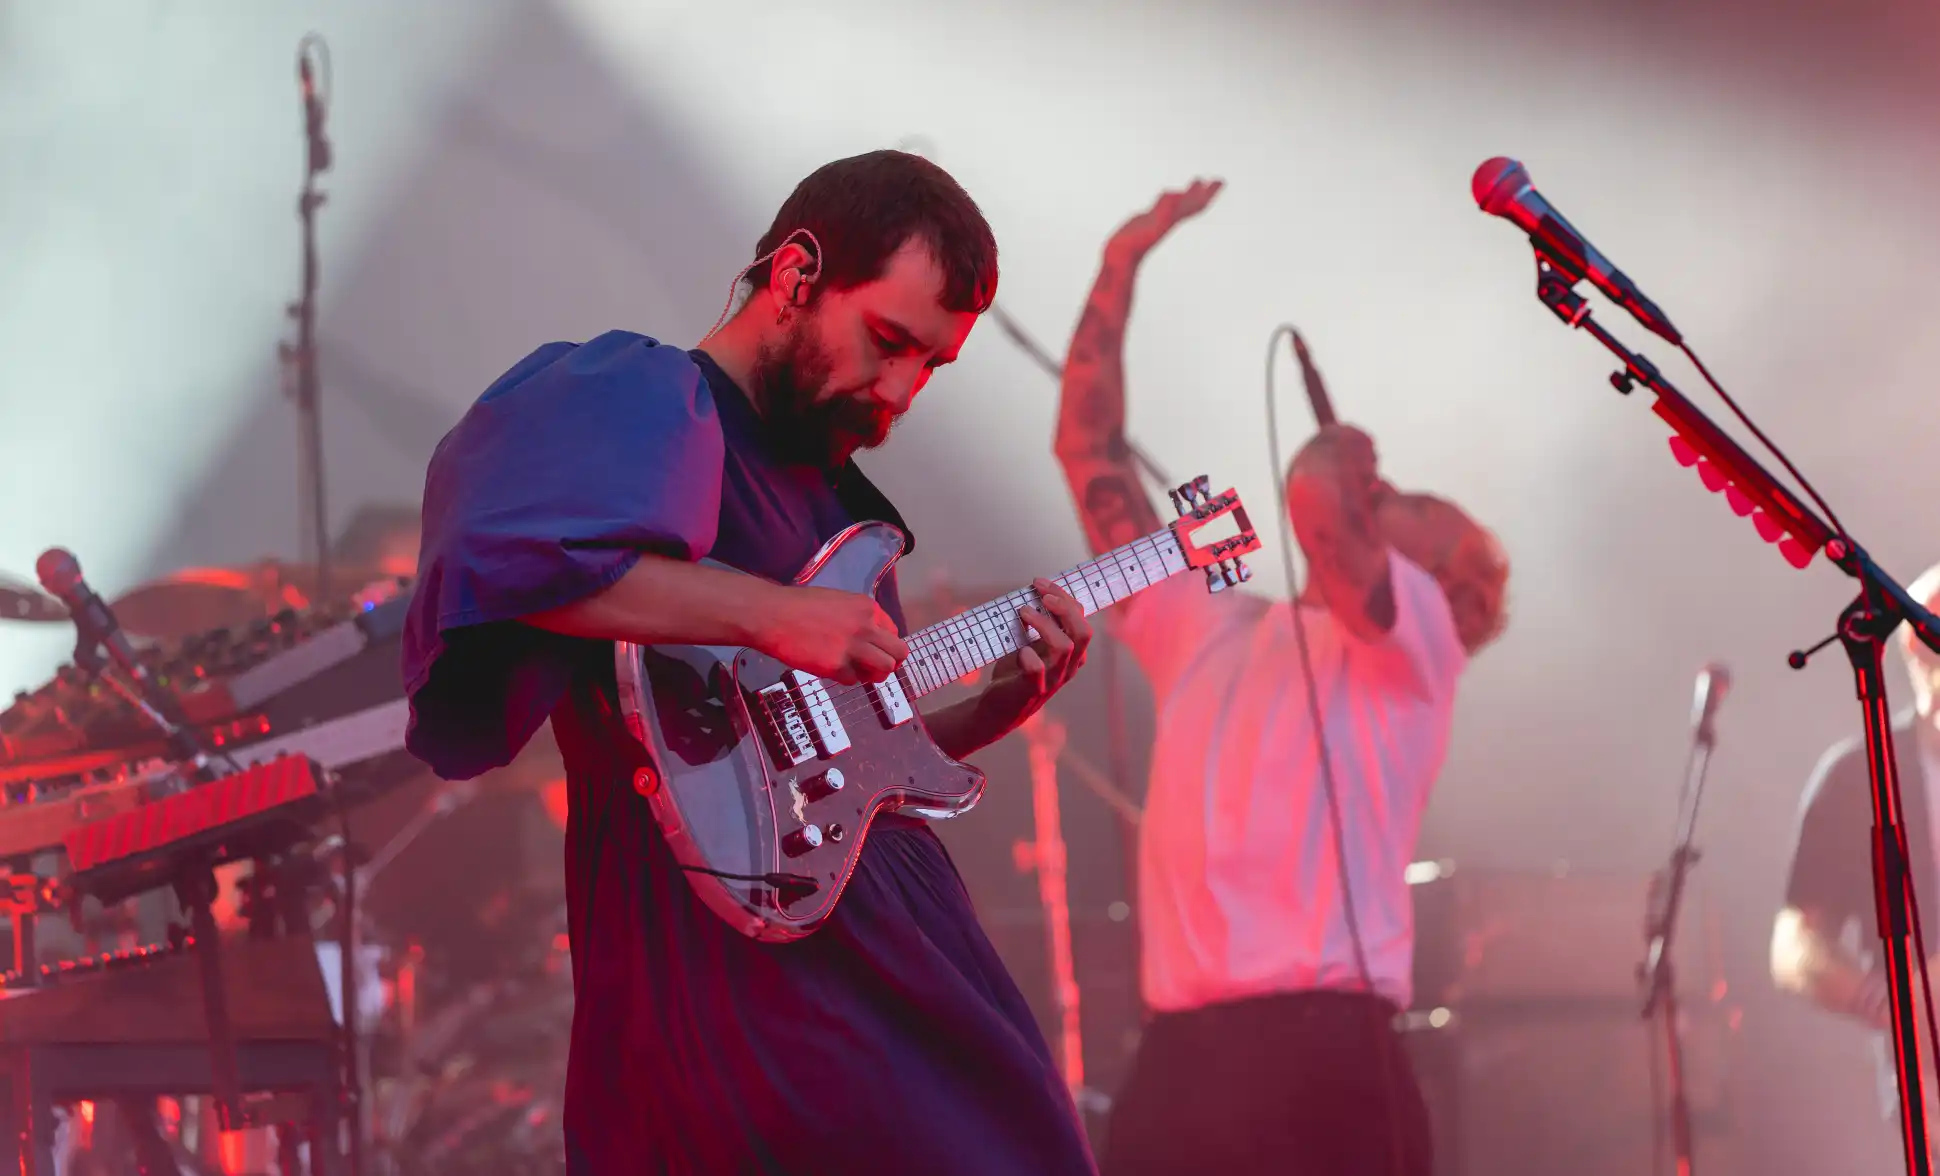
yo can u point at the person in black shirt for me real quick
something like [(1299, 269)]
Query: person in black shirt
[(1825, 940), (565, 512)]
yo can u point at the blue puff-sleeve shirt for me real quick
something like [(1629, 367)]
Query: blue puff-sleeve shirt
[(892, 1040)]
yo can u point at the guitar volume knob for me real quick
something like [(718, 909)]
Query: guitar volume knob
[(802, 840), (825, 785)]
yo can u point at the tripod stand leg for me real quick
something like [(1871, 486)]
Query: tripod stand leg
[(197, 892), (153, 1156)]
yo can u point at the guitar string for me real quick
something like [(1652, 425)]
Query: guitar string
[(975, 631), (976, 627)]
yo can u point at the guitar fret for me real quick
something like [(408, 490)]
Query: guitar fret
[(1004, 625), (1074, 584), (988, 644), (952, 649), (965, 651)]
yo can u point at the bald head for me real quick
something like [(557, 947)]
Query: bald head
[(1465, 559)]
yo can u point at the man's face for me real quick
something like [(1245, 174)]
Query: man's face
[(836, 377)]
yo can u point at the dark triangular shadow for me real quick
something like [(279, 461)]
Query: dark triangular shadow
[(550, 203)]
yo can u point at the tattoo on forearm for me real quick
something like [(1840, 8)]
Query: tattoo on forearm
[(1097, 339), (1091, 419), (1116, 511)]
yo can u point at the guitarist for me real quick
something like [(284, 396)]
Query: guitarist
[(1825, 941), (565, 512), (1272, 988)]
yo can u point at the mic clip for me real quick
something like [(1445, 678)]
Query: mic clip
[(90, 656)]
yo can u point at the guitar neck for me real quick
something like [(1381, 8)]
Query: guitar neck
[(971, 640)]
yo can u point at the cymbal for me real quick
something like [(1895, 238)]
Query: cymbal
[(196, 600), (20, 601)]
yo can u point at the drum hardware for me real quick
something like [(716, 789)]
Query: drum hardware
[(200, 600), (1045, 854), (20, 601)]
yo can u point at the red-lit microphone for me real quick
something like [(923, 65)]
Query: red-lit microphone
[(1503, 188)]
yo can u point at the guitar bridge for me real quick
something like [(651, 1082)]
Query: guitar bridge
[(786, 731), (824, 725)]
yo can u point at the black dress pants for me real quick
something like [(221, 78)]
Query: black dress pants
[(1291, 1084)]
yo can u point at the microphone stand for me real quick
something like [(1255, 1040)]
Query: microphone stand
[(1108, 666), (194, 882), (1864, 625), (301, 381), (1656, 972)]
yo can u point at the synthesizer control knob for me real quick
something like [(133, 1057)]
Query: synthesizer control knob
[(824, 785), (802, 840)]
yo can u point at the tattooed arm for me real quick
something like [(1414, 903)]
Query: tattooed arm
[(1091, 442)]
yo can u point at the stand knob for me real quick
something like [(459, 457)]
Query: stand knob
[(802, 840)]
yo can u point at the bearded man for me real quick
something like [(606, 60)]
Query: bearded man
[(567, 511)]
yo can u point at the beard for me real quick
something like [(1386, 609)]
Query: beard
[(806, 420)]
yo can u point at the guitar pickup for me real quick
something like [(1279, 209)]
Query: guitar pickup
[(892, 705), (786, 731), (824, 725)]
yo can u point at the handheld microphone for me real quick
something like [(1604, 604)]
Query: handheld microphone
[(1317, 396), (316, 144), (1713, 683), (1502, 188)]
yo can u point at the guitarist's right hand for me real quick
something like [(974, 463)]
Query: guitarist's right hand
[(842, 636)]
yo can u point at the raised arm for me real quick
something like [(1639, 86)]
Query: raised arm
[(1091, 443)]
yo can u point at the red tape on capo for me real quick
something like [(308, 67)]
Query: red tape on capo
[(1726, 468)]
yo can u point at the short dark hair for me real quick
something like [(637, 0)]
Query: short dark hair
[(866, 207)]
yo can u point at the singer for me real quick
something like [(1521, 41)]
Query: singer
[(1829, 889), (563, 513), (1277, 942)]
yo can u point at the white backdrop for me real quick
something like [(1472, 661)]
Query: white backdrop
[(517, 171)]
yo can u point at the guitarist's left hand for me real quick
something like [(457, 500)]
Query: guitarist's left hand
[(1045, 665), (1023, 682)]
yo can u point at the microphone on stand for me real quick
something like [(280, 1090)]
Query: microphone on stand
[(1502, 188), (1713, 683), (316, 143), (94, 621), (96, 629)]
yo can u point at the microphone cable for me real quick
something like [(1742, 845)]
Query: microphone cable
[(1390, 1081)]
